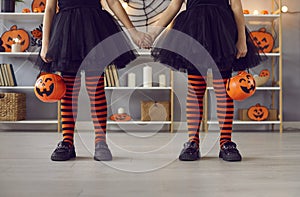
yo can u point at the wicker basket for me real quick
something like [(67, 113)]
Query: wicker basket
[(13, 106), (155, 111)]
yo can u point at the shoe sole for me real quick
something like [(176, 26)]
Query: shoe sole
[(73, 156), (232, 159), (102, 159), (189, 157)]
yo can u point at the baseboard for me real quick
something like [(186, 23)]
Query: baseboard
[(178, 126), (291, 126)]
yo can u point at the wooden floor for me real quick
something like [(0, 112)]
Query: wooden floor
[(145, 164)]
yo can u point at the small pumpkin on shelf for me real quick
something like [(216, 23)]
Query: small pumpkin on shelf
[(25, 10), (246, 11), (262, 78), (258, 112), (49, 87), (264, 12), (120, 117), (241, 86)]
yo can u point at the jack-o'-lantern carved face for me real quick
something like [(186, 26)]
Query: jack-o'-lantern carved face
[(49, 88), (15, 33), (241, 86), (37, 33), (263, 40), (264, 73), (258, 112), (38, 5)]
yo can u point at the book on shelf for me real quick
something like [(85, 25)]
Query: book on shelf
[(112, 80), (115, 75), (1, 77), (7, 75), (111, 76), (107, 78)]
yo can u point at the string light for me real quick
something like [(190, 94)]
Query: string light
[(284, 9)]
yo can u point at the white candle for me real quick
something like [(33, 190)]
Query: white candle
[(16, 47), (121, 110), (147, 74), (255, 12), (131, 80), (162, 80)]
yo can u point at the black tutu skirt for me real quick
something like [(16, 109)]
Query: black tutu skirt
[(207, 39), (77, 36)]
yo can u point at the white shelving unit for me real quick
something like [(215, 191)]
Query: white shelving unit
[(7, 19), (276, 67)]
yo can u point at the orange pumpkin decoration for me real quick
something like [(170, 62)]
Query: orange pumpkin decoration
[(264, 12), (37, 10), (25, 10), (246, 11), (9, 36), (241, 86), (264, 73), (263, 40), (37, 33), (258, 112), (38, 5), (50, 88), (120, 117)]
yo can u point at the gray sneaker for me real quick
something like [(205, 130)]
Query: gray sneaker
[(102, 152)]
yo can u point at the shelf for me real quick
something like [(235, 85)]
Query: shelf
[(260, 18), (257, 88), (17, 87), (144, 53), (272, 54), (30, 122), (268, 88), (19, 54), (22, 16), (240, 122), (139, 122), (138, 88)]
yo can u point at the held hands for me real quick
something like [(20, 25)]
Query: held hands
[(141, 39)]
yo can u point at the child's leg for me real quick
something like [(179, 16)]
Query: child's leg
[(194, 113), (194, 105), (95, 88), (69, 107), (225, 113), (65, 149), (225, 107)]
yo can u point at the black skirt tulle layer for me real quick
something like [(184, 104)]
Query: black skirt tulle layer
[(78, 31), (214, 27)]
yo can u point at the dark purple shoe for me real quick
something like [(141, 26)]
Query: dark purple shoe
[(190, 152), (63, 152), (229, 152)]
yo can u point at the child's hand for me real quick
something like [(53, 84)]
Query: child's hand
[(43, 54), (241, 48)]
